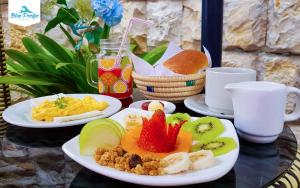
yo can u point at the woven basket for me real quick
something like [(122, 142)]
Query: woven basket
[(169, 88)]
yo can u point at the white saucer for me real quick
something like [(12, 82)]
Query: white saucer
[(196, 103), (169, 107)]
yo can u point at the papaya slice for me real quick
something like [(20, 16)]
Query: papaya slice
[(129, 143)]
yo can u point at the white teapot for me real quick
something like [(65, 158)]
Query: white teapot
[(259, 109)]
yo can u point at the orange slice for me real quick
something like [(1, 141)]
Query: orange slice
[(126, 73), (107, 64), (108, 78), (130, 138), (120, 87)]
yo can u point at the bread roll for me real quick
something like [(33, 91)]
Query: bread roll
[(187, 62)]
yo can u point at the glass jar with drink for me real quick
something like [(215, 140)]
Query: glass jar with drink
[(114, 74)]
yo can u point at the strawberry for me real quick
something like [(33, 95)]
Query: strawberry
[(156, 135)]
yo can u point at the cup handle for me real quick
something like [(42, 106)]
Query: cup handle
[(89, 72), (296, 114)]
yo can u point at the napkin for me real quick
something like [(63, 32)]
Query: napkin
[(142, 67)]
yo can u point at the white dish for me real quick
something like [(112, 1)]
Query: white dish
[(223, 166), (196, 103), (19, 114), (169, 107)]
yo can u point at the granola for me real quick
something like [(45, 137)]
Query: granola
[(128, 162)]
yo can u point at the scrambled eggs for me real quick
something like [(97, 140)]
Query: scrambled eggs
[(66, 106)]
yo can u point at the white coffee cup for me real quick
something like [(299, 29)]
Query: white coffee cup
[(216, 97), (259, 109)]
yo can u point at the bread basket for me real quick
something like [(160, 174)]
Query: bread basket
[(169, 88)]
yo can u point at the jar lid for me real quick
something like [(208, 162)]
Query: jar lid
[(113, 44)]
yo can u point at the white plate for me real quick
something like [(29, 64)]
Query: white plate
[(196, 103), (169, 107), (223, 166), (19, 114)]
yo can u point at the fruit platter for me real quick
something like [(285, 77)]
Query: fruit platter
[(154, 148)]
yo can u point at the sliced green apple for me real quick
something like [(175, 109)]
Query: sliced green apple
[(120, 127), (100, 133)]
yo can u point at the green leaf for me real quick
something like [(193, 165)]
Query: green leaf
[(54, 48), (49, 76), (105, 33), (31, 46), (154, 55), (25, 60), (52, 24), (24, 80), (132, 47), (70, 38), (62, 2), (70, 16), (13, 65), (64, 15), (75, 66), (77, 72), (47, 59), (93, 36)]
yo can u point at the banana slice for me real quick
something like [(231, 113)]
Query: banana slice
[(202, 159), (175, 163)]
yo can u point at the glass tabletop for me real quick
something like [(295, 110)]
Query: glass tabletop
[(33, 158)]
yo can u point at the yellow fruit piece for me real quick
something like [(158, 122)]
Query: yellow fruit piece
[(120, 87), (126, 73), (107, 64), (101, 87)]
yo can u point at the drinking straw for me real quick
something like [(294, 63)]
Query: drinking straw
[(130, 23)]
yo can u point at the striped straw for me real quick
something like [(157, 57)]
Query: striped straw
[(132, 21)]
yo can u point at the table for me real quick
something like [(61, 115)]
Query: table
[(33, 158)]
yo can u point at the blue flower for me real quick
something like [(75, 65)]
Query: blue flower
[(111, 11)]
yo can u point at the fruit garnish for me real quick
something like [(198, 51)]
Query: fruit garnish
[(178, 117), (205, 129), (131, 137), (176, 163), (120, 87), (133, 120), (218, 146), (202, 159), (155, 105), (101, 133), (126, 73), (145, 105), (156, 135)]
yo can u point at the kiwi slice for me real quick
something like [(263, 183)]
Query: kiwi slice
[(218, 146), (177, 118), (205, 129)]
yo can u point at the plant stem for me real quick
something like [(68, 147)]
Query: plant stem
[(105, 33)]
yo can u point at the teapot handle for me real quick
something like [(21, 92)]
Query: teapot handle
[(296, 114)]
